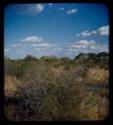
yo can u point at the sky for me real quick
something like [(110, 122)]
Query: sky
[(60, 29)]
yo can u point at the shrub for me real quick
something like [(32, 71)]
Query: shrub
[(56, 89)]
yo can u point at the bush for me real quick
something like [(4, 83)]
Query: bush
[(56, 89)]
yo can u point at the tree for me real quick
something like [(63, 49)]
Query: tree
[(30, 58), (81, 56), (92, 55), (49, 58), (102, 54)]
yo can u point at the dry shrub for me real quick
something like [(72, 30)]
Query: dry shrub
[(96, 75), (47, 93), (38, 71), (33, 91), (11, 85), (57, 71), (99, 111), (50, 93), (92, 108)]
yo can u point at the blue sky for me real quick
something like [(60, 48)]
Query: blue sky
[(55, 29)]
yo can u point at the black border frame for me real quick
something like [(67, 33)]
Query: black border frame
[(2, 8)]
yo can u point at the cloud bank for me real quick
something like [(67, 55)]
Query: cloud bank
[(104, 31)]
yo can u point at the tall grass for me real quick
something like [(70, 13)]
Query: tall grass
[(48, 91)]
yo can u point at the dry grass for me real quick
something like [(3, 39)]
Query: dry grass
[(11, 85), (58, 94), (96, 75), (92, 108), (99, 111)]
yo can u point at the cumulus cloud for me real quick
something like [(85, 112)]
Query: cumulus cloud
[(72, 11), (85, 45), (39, 8), (104, 30), (44, 45), (32, 39), (82, 44), (41, 45), (86, 42), (86, 33), (50, 4), (35, 41), (28, 9), (16, 45), (29, 45)]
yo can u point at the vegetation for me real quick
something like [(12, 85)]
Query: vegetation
[(52, 88)]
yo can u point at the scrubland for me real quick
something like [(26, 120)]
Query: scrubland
[(57, 89)]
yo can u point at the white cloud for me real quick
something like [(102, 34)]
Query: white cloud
[(62, 8), (82, 44), (16, 45), (32, 39), (29, 45), (50, 4), (86, 33), (104, 30), (93, 47), (87, 46), (29, 9), (72, 11), (44, 45), (6, 50), (39, 8), (35, 41), (85, 42)]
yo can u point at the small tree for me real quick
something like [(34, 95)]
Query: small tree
[(102, 54), (30, 58)]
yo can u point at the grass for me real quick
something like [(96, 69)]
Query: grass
[(98, 75), (50, 90)]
